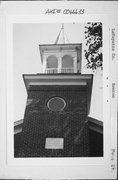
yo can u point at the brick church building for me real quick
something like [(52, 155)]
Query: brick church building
[(56, 120)]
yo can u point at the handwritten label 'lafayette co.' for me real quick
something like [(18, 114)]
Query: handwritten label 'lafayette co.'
[(65, 11), (113, 44)]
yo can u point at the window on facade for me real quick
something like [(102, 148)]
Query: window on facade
[(56, 104), (67, 61), (52, 62)]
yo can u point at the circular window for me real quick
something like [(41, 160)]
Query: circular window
[(56, 104)]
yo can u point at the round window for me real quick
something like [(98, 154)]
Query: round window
[(56, 104)]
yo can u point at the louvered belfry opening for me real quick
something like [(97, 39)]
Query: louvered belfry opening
[(55, 132)]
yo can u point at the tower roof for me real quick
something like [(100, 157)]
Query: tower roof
[(62, 38)]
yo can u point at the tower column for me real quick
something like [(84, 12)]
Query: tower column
[(59, 64), (45, 64), (75, 64)]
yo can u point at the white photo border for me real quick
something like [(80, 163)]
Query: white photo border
[(71, 168)]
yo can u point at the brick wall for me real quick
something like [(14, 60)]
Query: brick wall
[(41, 123)]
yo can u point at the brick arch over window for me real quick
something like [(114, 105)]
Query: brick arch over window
[(52, 62), (67, 61)]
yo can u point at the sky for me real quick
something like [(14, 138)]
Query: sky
[(26, 55)]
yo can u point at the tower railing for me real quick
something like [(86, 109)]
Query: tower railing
[(67, 70), (59, 70), (51, 70)]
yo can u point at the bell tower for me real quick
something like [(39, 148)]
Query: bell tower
[(58, 102), (61, 57)]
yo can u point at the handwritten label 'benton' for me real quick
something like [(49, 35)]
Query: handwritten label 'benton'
[(113, 90)]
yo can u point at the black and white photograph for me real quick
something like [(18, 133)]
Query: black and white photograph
[(58, 90)]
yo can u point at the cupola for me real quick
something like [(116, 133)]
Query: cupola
[(62, 56)]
